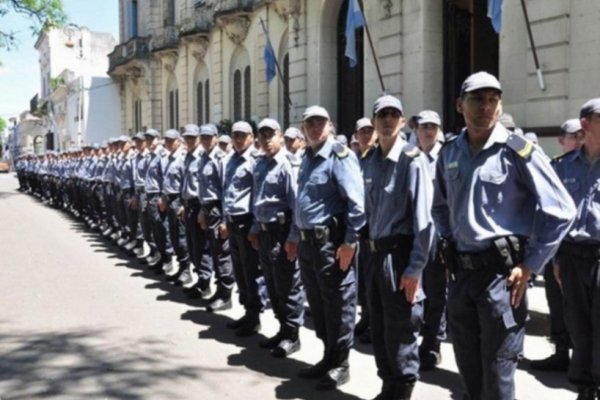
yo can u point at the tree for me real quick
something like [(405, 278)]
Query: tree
[(2, 125), (43, 14)]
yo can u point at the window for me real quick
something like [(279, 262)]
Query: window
[(173, 109), (169, 13), (237, 95), (137, 115), (207, 101), (286, 90), (247, 97), (199, 103), (132, 23)]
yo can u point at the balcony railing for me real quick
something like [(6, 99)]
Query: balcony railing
[(136, 47), (196, 20), (165, 39), (223, 7)]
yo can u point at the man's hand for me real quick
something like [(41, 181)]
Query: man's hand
[(223, 232), (180, 213), (410, 287), (162, 204), (518, 281), (201, 220), (556, 271), (291, 249), (253, 239), (344, 254), (134, 202)]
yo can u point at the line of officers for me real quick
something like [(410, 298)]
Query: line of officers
[(405, 231)]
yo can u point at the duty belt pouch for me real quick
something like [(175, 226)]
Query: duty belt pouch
[(448, 255), (338, 230), (505, 258), (281, 218), (322, 233)]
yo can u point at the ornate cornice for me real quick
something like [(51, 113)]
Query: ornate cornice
[(235, 26)]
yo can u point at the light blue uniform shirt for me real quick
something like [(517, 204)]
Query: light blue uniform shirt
[(582, 181), (140, 166), (189, 184), (153, 180), (274, 190), (498, 193), (330, 184), (210, 175), (110, 170), (399, 194), (126, 171), (238, 182), (172, 172)]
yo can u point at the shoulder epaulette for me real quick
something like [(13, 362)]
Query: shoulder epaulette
[(520, 145), (219, 154), (411, 150), (340, 150), (560, 157)]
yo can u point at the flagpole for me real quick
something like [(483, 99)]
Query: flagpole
[(372, 48), (285, 85), (538, 70)]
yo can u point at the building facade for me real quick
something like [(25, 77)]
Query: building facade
[(79, 102), (183, 61)]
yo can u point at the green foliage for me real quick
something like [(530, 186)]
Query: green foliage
[(2, 124), (224, 127), (43, 15), (56, 82)]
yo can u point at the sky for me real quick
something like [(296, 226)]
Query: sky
[(19, 72)]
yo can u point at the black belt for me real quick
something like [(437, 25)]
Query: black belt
[(390, 242), (211, 204), (580, 250), (139, 189), (270, 226), (507, 250), (193, 202), (239, 219), (172, 197), (152, 195)]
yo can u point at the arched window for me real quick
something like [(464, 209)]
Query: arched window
[(207, 101), (286, 90), (137, 115), (173, 103), (200, 103), (237, 95), (247, 94)]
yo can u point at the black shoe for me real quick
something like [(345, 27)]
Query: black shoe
[(333, 378), (586, 393), (314, 371), (559, 361), (365, 337), (430, 359), (286, 347), (272, 342), (248, 329), (362, 325), (219, 304), (403, 391), (237, 323), (198, 293), (387, 392)]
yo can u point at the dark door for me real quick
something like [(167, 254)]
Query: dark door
[(470, 45), (350, 89)]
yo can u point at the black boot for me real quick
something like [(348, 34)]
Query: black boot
[(338, 373), (559, 361), (430, 356), (586, 393), (403, 391), (289, 343), (221, 300)]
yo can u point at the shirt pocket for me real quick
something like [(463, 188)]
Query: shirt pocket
[(317, 184), (492, 184)]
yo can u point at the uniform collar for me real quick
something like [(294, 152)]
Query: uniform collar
[(177, 152), (499, 135), (394, 154), (435, 150), (281, 155), (325, 149), (196, 152), (247, 154), (367, 152)]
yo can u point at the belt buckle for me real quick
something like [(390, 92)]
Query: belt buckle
[(372, 246), (466, 262), (321, 232)]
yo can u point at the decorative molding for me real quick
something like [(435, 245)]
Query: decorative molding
[(387, 6), (235, 26), (280, 9), (295, 11), (200, 48), (168, 58)]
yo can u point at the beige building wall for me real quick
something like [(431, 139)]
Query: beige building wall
[(408, 39)]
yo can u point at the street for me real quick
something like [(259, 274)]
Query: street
[(79, 320)]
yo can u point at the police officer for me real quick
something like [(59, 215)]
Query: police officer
[(138, 201), (329, 213), (364, 133), (210, 219), (570, 140), (294, 142), (502, 208), (429, 139), (236, 208), (225, 144), (275, 236), (153, 188), (170, 204), (196, 241), (398, 193), (578, 260)]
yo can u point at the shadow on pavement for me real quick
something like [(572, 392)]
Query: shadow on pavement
[(87, 364), (444, 378), (554, 380), (253, 357), (538, 324)]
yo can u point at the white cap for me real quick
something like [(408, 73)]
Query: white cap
[(387, 101), (315, 111), (480, 80), (269, 123), (241, 126), (363, 123), (428, 117)]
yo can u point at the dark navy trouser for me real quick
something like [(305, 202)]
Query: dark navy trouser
[(487, 332), (331, 295), (219, 253), (435, 287), (558, 328)]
